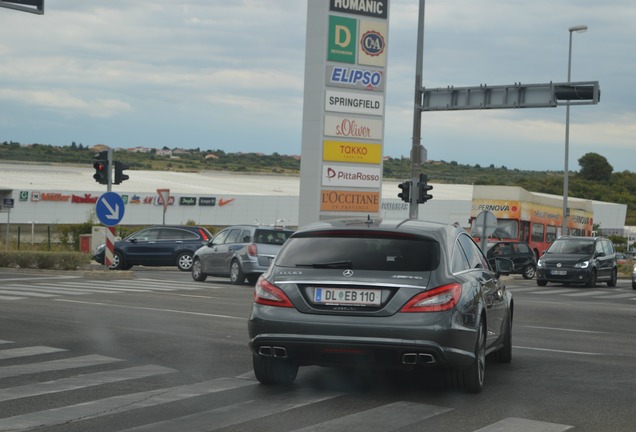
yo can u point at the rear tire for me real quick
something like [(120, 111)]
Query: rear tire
[(274, 371), (472, 378), (504, 355), (237, 277), (184, 261)]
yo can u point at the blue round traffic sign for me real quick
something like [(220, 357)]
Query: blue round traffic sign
[(110, 208)]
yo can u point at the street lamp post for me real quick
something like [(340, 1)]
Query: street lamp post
[(578, 29)]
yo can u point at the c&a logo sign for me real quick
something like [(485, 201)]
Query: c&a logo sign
[(373, 43)]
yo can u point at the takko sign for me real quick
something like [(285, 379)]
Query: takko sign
[(346, 151)]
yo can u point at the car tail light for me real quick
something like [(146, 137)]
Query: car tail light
[(203, 235), (266, 293), (251, 250), (438, 299)]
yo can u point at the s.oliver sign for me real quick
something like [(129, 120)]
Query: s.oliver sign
[(353, 127)]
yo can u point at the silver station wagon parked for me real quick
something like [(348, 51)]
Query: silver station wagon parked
[(358, 293), (239, 252)]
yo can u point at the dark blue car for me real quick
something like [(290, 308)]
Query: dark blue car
[(163, 245)]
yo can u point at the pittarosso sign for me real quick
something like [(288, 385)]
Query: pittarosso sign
[(353, 127), (354, 103), (351, 176)]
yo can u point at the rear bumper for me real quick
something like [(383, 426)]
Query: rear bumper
[(333, 351), (403, 340), (252, 267)]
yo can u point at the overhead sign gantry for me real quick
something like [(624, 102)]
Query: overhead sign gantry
[(31, 6)]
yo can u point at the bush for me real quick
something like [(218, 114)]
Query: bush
[(44, 260)]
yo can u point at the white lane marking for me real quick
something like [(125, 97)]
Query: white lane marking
[(118, 404), (83, 381), (525, 425), (153, 309), (27, 352)]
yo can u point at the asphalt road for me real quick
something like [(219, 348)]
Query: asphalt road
[(157, 352)]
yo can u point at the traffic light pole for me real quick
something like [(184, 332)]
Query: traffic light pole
[(417, 149), (109, 187)]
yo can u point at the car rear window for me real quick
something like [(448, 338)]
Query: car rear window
[(368, 253), (270, 236)]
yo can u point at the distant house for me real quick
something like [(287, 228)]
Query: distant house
[(164, 152), (99, 147), (211, 156), (140, 150)]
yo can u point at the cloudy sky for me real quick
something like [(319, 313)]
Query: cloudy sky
[(229, 75)]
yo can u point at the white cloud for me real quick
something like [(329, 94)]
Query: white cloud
[(232, 72)]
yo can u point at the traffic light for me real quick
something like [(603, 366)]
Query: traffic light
[(119, 172), (422, 189), (405, 195), (101, 167)]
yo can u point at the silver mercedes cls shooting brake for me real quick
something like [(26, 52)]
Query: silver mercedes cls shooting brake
[(356, 293)]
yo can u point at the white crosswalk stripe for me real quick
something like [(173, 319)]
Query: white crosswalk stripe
[(28, 351), (393, 416), (82, 381), (238, 413), (64, 286), (55, 365), (585, 293), (524, 425), (580, 292), (384, 418)]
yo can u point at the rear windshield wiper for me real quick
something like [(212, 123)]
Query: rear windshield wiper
[(332, 264)]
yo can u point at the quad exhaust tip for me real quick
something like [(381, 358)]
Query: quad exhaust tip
[(272, 351), (417, 358)]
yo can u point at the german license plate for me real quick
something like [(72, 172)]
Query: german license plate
[(559, 272), (342, 296)]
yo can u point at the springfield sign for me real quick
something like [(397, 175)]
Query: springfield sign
[(344, 105)]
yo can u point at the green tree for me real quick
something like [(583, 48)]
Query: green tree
[(595, 167)]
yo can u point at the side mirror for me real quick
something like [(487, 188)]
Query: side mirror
[(503, 266), (133, 240)]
